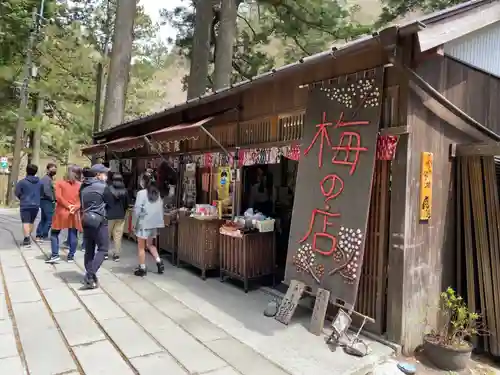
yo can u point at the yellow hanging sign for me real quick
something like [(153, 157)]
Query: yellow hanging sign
[(426, 186), (223, 182)]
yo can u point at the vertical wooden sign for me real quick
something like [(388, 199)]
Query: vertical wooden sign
[(426, 186), (334, 182)]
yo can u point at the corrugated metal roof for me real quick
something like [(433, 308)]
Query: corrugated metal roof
[(480, 49)]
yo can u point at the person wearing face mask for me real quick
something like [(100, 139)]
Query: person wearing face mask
[(94, 201), (67, 213), (47, 203)]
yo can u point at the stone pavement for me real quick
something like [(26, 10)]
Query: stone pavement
[(174, 323)]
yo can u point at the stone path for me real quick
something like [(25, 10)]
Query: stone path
[(48, 326)]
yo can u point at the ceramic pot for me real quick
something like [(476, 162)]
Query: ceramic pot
[(446, 358)]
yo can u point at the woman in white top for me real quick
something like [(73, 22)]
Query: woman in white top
[(148, 217)]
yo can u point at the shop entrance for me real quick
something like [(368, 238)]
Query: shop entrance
[(270, 189)]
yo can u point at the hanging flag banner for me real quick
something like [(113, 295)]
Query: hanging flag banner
[(334, 183)]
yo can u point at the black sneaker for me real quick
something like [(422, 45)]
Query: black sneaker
[(161, 267), (89, 284), (106, 257), (53, 259), (140, 272), (39, 240), (26, 242), (116, 258), (70, 259)]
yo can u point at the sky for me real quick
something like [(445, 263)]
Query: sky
[(152, 8)]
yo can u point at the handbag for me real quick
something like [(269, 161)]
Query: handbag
[(92, 220)]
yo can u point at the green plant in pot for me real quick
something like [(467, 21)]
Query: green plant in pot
[(448, 347)]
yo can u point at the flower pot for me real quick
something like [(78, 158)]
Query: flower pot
[(445, 357)]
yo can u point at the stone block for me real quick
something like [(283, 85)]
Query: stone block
[(61, 299), (16, 274), (243, 358), (151, 364), (101, 358), (102, 307), (8, 346), (121, 331), (12, 365), (46, 353), (32, 316), (78, 327), (195, 357), (23, 291), (121, 293)]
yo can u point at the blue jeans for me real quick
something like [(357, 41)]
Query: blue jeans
[(72, 240), (46, 213)]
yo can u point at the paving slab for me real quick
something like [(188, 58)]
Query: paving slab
[(146, 315), (4, 312), (201, 328), (16, 274), (23, 291), (120, 292), (61, 299), (243, 358), (46, 353), (151, 364), (224, 371), (12, 365), (193, 355), (101, 358), (5, 326), (32, 317), (78, 327), (131, 338), (102, 307), (8, 346)]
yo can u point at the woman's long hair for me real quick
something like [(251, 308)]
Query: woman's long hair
[(117, 186), (150, 186), (74, 173)]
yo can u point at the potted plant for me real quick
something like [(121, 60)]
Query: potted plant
[(448, 347)]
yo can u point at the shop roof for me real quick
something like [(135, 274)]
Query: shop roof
[(120, 144), (432, 30)]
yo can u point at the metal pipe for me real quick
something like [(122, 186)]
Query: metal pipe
[(215, 140)]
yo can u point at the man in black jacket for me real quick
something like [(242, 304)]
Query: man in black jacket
[(93, 195), (47, 203)]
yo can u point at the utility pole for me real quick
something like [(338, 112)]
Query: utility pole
[(23, 107)]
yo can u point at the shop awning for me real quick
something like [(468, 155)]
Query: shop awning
[(179, 132), (117, 145)]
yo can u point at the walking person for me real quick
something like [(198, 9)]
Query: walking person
[(93, 196), (47, 203), (66, 214), (28, 191), (148, 217), (118, 201)]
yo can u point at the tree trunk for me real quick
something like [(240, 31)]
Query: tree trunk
[(119, 67), (198, 73), (37, 134), (225, 44)]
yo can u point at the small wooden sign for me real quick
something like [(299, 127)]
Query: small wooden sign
[(290, 302), (426, 186), (319, 311)]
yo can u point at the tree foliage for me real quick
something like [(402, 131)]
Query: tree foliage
[(302, 27), (73, 37)]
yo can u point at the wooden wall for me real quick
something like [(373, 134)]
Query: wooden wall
[(427, 252), (473, 91)]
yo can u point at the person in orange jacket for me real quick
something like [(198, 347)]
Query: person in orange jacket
[(67, 213)]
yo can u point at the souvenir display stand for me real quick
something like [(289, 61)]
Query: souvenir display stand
[(246, 256)]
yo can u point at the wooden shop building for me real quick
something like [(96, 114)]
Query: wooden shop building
[(427, 87)]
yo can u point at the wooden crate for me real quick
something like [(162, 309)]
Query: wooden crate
[(247, 258), (198, 243)]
